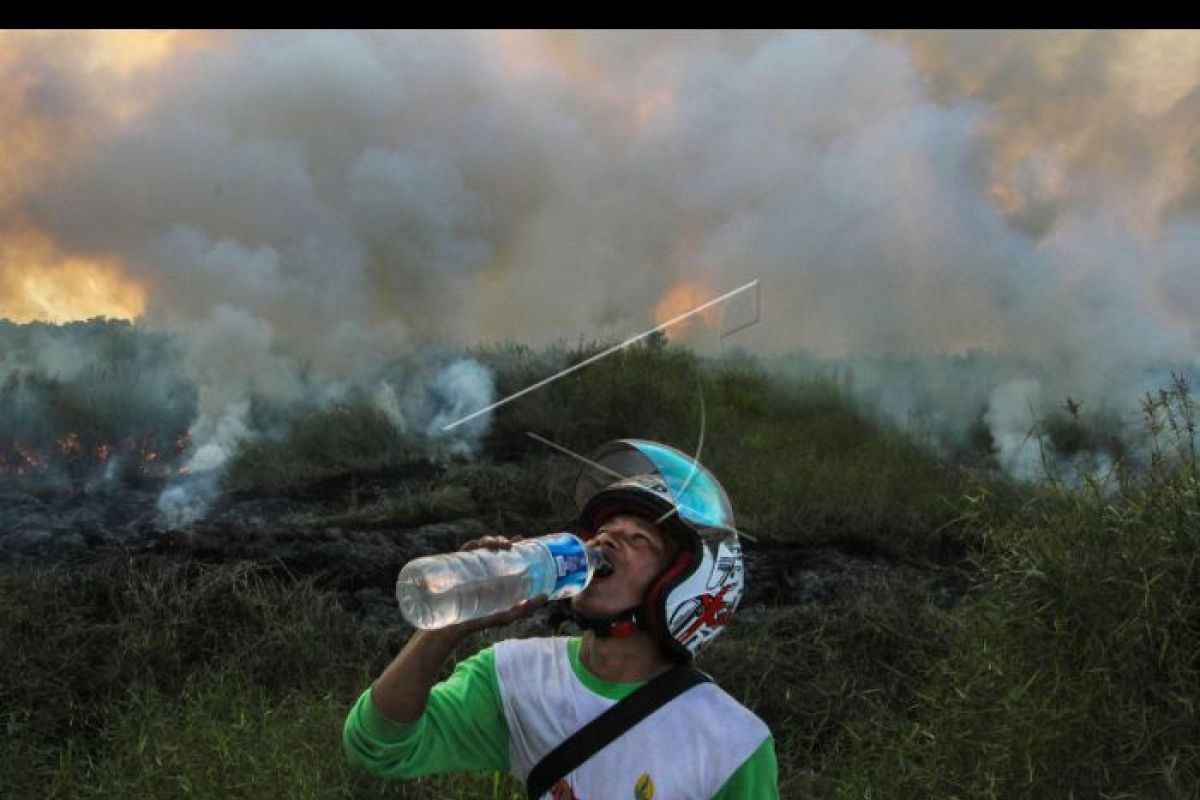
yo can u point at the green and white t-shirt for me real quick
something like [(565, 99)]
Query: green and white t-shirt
[(507, 706)]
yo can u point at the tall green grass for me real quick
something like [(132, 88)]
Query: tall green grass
[(1070, 668), (148, 678), (1074, 671), (331, 444), (799, 459)]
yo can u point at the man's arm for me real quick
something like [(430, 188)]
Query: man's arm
[(402, 691), (406, 726), (462, 728)]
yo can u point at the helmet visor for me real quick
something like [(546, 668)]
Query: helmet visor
[(698, 497)]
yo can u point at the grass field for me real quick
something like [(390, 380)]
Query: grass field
[(1070, 668)]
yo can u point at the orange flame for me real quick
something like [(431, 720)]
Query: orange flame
[(680, 298), (40, 279), (69, 445), (29, 457), (74, 451), (38, 282)]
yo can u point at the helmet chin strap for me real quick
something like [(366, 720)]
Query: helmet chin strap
[(618, 626)]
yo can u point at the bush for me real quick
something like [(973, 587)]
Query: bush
[(75, 639), (1075, 672), (434, 505), (797, 457), (640, 391), (819, 674), (334, 443), (146, 678)]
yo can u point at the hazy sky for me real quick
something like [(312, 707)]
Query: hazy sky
[(338, 195)]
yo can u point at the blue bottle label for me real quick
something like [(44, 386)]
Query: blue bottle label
[(570, 562)]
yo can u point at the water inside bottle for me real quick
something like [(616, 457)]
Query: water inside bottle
[(437, 591), (440, 593)]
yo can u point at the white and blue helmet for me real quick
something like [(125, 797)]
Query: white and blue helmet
[(694, 598)]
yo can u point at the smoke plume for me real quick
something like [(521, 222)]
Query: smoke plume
[(301, 209)]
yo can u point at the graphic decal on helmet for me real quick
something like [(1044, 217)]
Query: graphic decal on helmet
[(728, 567), (707, 609)]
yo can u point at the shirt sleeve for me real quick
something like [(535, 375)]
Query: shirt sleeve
[(462, 729), (756, 779)]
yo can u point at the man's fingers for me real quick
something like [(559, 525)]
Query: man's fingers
[(532, 604), (490, 542)]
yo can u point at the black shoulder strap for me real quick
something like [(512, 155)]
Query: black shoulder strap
[(591, 738)]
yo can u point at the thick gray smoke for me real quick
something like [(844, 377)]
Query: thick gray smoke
[(303, 207)]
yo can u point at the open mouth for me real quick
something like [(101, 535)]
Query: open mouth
[(604, 569)]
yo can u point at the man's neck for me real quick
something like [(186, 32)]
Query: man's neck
[(632, 658)]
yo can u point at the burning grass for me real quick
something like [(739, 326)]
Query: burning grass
[(98, 401)]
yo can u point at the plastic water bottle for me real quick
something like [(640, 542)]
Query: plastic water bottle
[(436, 591)]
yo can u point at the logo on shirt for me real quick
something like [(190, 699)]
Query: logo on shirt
[(562, 790), (644, 788)]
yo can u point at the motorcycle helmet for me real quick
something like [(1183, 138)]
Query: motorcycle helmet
[(693, 599)]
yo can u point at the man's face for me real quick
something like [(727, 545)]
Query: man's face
[(638, 552)]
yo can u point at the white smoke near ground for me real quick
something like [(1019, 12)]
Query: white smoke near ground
[(303, 209), (1014, 410), (386, 402), (460, 390), (186, 499)]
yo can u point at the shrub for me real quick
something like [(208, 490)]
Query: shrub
[(1074, 672), (333, 443)]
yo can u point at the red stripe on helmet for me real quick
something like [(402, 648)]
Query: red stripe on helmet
[(658, 590)]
